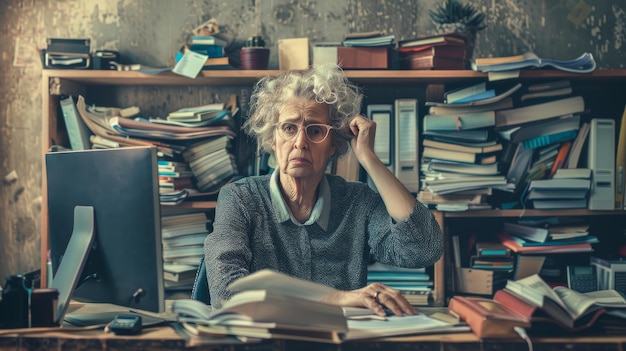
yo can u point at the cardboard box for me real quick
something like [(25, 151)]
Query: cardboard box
[(478, 281), (363, 57), (293, 53)]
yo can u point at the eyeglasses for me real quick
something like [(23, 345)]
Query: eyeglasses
[(316, 133)]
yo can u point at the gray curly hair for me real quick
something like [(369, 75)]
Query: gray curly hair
[(324, 83)]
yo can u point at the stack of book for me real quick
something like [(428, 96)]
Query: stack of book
[(445, 51), (568, 188), (198, 116), (173, 176), (542, 134), (183, 237), (211, 162), (492, 257), (211, 46), (414, 284), (460, 148), (528, 239), (365, 50)]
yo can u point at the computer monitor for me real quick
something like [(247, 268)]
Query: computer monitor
[(124, 264)]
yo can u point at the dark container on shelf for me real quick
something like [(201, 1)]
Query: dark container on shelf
[(15, 303), (254, 57), (43, 307)]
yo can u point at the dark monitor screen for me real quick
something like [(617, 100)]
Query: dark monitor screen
[(124, 265)]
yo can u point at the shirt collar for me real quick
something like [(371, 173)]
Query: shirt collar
[(321, 209)]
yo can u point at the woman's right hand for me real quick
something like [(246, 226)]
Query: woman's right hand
[(376, 297)]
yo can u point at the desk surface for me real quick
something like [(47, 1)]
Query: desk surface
[(166, 338)]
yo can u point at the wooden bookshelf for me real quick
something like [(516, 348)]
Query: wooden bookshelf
[(65, 82)]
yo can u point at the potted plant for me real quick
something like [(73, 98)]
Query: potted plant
[(254, 54), (452, 16)]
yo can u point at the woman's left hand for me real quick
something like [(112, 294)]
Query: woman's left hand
[(375, 297), (364, 130)]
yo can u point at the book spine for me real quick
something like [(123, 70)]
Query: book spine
[(77, 131), (550, 139)]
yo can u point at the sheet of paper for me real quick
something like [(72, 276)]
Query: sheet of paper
[(190, 65)]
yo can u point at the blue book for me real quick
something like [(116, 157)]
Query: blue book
[(476, 97), (550, 139), (207, 40), (589, 239), (397, 276), (208, 50)]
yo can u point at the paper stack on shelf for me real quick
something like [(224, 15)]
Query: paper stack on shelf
[(183, 235), (414, 283)]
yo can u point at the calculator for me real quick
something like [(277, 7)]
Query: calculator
[(582, 278), (126, 324)]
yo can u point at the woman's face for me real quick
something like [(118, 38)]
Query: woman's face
[(297, 155)]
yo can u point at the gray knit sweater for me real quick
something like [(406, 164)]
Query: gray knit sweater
[(248, 237)]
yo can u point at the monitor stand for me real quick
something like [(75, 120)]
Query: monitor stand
[(71, 267), (69, 273)]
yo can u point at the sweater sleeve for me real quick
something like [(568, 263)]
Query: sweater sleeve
[(226, 249), (414, 242)]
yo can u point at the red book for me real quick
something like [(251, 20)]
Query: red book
[(450, 51), (561, 156), (509, 242), (432, 62), (439, 39), (486, 317)]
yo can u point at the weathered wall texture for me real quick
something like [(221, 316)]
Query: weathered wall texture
[(151, 31)]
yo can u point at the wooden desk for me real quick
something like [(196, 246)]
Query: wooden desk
[(165, 338)]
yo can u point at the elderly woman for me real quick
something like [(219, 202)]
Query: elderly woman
[(301, 221)]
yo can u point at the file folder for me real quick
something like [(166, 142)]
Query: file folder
[(384, 146), (382, 114), (601, 161), (407, 143)]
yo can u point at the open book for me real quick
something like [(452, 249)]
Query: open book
[(567, 307), (585, 63), (270, 304)]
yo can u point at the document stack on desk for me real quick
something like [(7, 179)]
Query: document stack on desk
[(278, 306)]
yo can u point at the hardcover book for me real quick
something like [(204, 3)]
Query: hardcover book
[(538, 112), (486, 317)]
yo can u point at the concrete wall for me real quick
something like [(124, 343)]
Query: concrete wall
[(151, 31)]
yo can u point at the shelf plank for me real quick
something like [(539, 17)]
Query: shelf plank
[(193, 204), (532, 213), (248, 77)]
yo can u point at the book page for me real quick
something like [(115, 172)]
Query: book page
[(607, 298), (576, 302), (283, 284), (535, 286)]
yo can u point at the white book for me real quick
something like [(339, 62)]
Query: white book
[(461, 93), (538, 112)]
